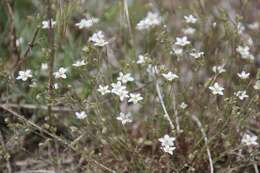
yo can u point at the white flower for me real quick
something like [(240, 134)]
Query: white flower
[(120, 90), (196, 54), (190, 19), (98, 39), (79, 63), (87, 23), (219, 69), (151, 20), (245, 52), (61, 73), (170, 76), (182, 41), (168, 149), (125, 118), (103, 89), (216, 89), (257, 85), (81, 115), (45, 24), (254, 26), (44, 66), (19, 41), (142, 59), (24, 75), (152, 69), (240, 28), (124, 78), (241, 95), (183, 105), (56, 86), (135, 98), (243, 75), (249, 140), (167, 144), (167, 140), (188, 31), (176, 50)]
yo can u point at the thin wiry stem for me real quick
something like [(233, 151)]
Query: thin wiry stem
[(158, 90), (197, 121), (51, 58)]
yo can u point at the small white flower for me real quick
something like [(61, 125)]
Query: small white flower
[(19, 41), (188, 31), (103, 89), (196, 54), (257, 85), (182, 41), (249, 140), (45, 24), (167, 144), (120, 90), (87, 23), (245, 52), (98, 39), (217, 89), (243, 75), (170, 76), (79, 63), (124, 78), (44, 66), (61, 73), (125, 118), (254, 26), (240, 28), (81, 115), (190, 19), (135, 98), (241, 95), (168, 149), (24, 75), (167, 140), (176, 50), (183, 105), (142, 59), (219, 69), (151, 20), (56, 86)]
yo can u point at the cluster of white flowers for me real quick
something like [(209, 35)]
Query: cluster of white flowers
[(151, 20), (167, 144), (245, 53), (87, 23), (121, 90), (196, 54), (190, 19), (142, 59)]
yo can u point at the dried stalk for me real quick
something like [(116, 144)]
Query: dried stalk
[(197, 121), (163, 105), (8, 160)]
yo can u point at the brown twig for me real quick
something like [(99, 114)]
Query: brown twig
[(29, 48)]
